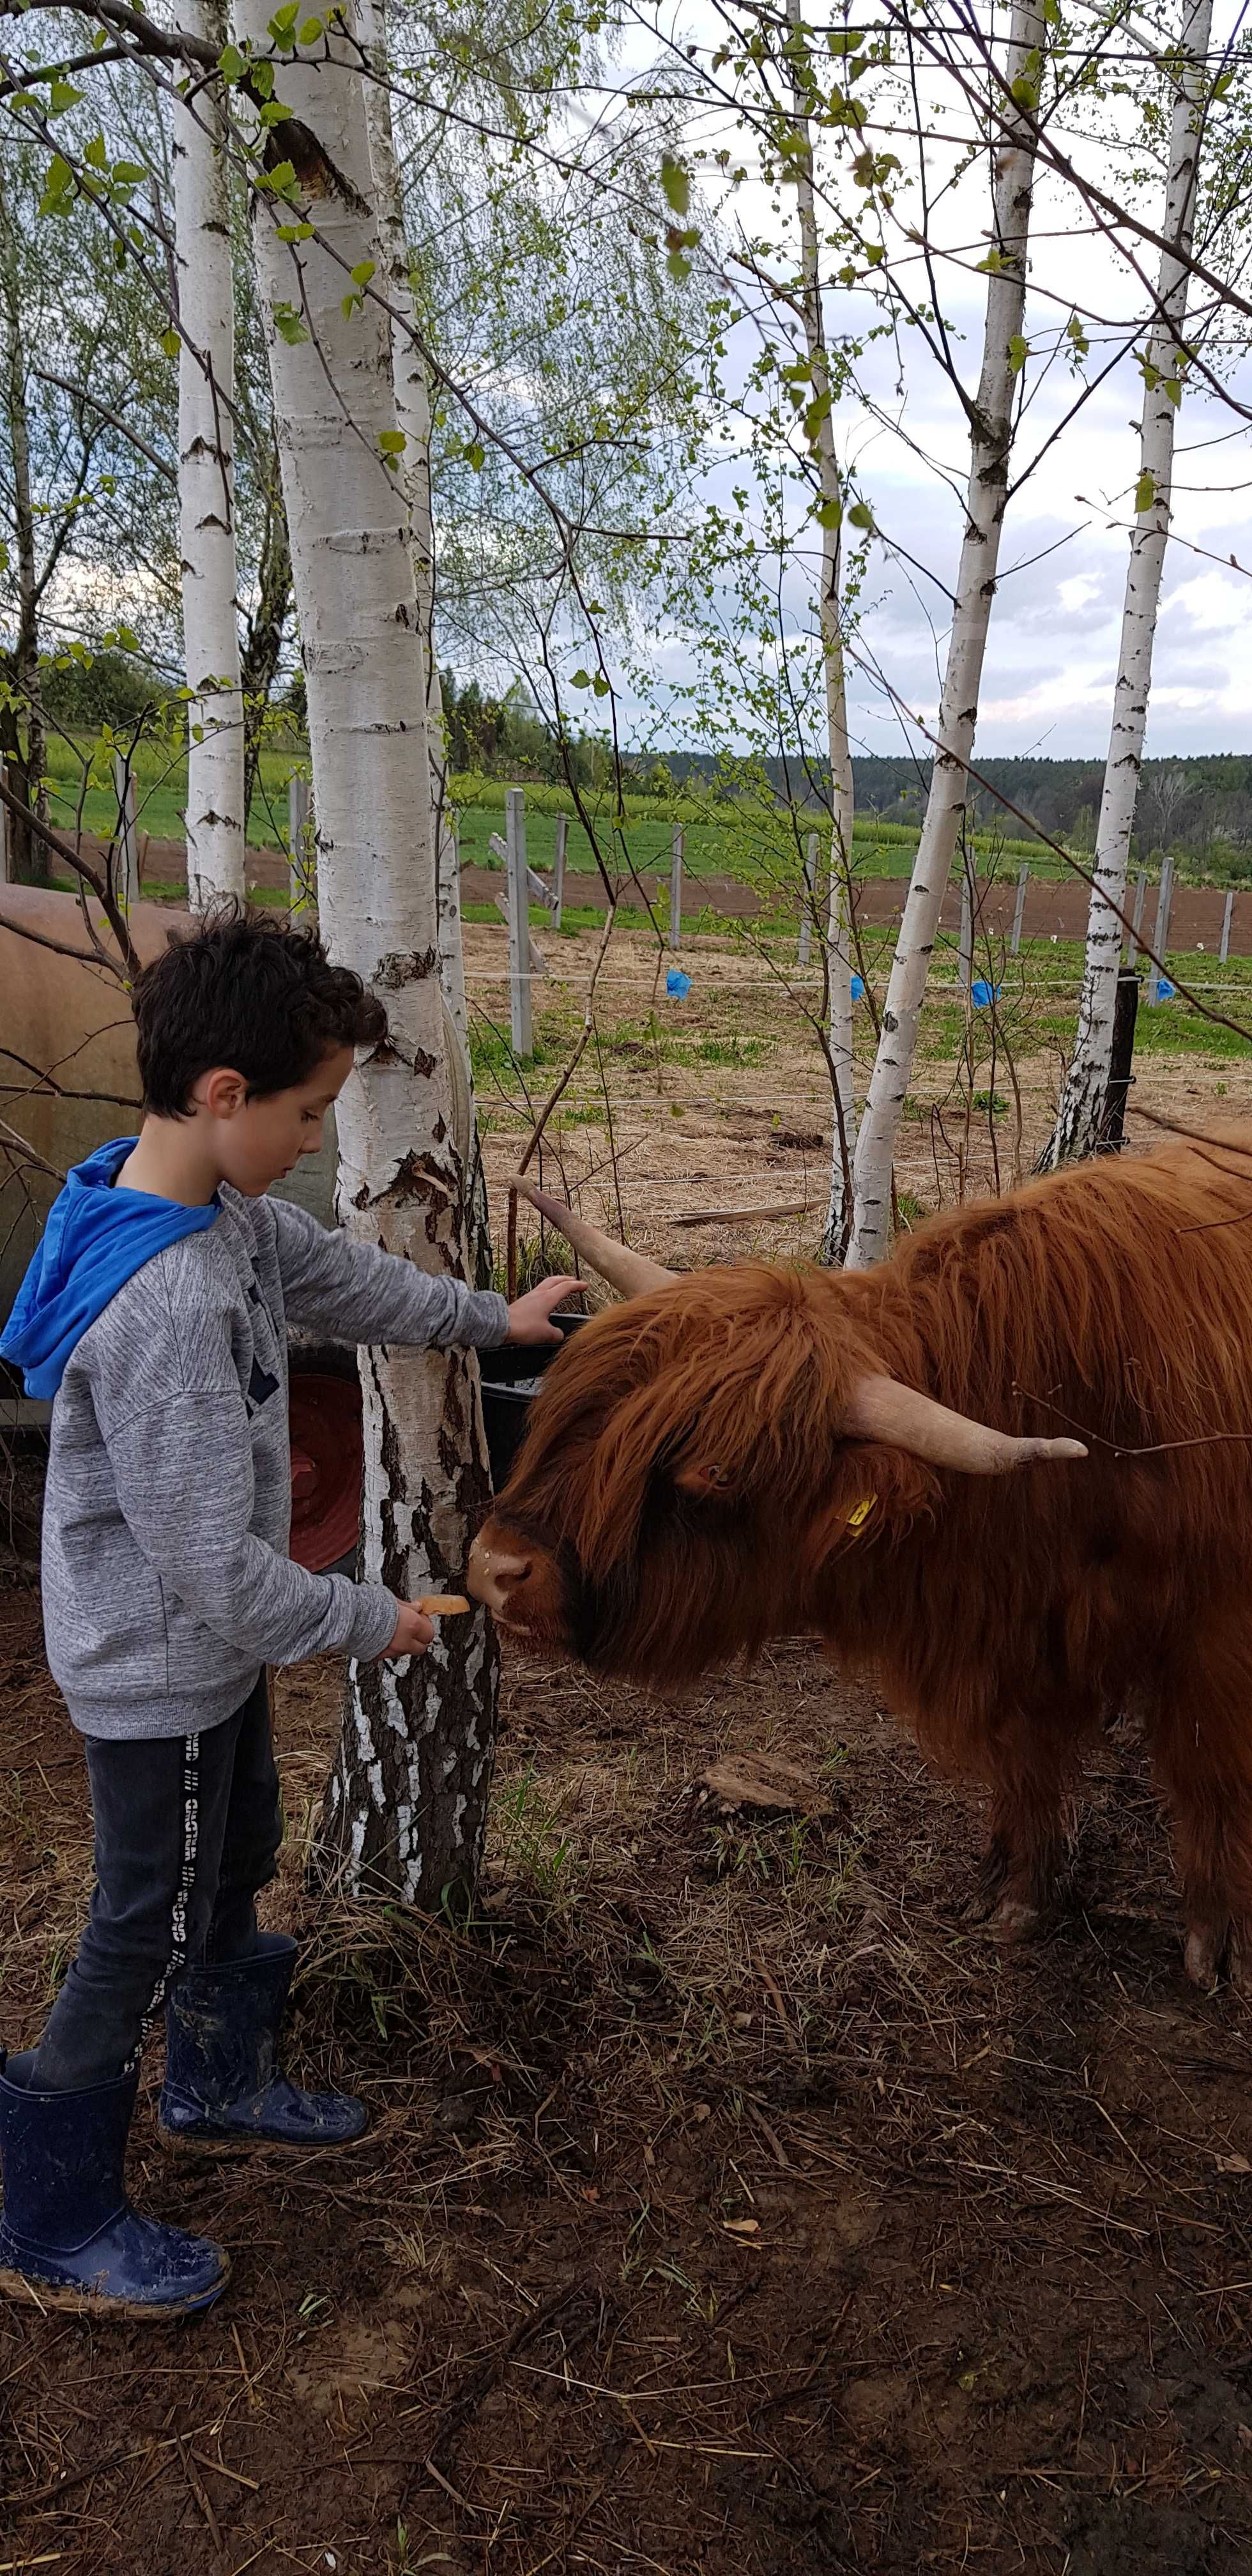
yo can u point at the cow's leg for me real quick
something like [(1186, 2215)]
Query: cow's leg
[(1202, 1755), (1027, 1867)]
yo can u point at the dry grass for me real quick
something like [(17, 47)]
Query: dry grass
[(730, 2204)]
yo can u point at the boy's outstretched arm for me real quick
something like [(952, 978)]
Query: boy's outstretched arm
[(183, 1473), (355, 1293)]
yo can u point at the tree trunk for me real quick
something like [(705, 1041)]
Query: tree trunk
[(405, 1804), (206, 487), (263, 643), (412, 392), (830, 483), (991, 436), (1080, 1115)]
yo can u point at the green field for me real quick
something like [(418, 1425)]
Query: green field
[(721, 839)]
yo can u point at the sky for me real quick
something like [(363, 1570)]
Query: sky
[(1053, 646)]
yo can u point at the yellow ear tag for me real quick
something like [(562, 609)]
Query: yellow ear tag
[(860, 1512)]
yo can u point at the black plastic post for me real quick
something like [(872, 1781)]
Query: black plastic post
[(1125, 1011)]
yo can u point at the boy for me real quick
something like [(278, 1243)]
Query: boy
[(155, 1312)]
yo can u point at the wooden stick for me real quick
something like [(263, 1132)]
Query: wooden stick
[(745, 1216)]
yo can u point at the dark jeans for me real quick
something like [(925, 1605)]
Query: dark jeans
[(187, 1830)]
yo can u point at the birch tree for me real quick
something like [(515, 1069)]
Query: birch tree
[(1080, 1115), (991, 438), (413, 421), (830, 522), (404, 1807), (216, 801)]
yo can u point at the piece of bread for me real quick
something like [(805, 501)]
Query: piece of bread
[(443, 1605)]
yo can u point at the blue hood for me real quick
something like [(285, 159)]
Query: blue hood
[(95, 1239)]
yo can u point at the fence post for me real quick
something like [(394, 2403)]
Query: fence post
[(1136, 923), (965, 960), (676, 891), (1019, 909), (806, 916), (126, 883), (1224, 950), (1161, 937), (1125, 1009), (300, 893), (558, 869), (519, 922)]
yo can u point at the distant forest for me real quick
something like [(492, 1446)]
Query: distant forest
[(1198, 808)]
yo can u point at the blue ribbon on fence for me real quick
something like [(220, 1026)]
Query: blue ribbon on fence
[(677, 985), (981, 993)]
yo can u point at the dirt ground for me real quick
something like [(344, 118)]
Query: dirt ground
[(722, 1101), (730, 2206)]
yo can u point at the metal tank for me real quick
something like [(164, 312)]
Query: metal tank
[(64, 1015)]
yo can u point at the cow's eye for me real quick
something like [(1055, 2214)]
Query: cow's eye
[(701, 1479)]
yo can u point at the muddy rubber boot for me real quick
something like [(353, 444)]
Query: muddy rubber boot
[(222, 2084), (68, 2236)]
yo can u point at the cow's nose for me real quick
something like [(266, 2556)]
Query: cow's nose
[(498, 1578)]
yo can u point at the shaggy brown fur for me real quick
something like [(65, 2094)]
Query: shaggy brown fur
[(1005, 1614)]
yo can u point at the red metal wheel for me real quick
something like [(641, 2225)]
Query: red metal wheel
[(327, 1460)]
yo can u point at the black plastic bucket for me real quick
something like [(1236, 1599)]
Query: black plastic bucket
[(511, 1379)]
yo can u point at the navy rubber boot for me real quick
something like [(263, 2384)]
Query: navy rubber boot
[(222, 2084), (68, 2236)]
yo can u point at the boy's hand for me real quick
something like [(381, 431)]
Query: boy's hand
[(414, 1632), (529, 1316)]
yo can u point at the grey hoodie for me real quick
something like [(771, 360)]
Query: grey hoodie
[(167, 1510)]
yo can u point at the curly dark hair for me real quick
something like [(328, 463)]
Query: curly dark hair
[(245, 990)]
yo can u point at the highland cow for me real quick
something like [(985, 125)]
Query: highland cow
[(1010, 1469)]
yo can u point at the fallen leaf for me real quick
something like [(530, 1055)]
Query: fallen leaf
[(742, 2226), (1233, 2164)]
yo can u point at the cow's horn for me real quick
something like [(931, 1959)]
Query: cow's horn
[(882, 1409), (630, 1271)]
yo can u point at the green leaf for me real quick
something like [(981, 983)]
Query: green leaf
[(829, 514), (860, 515), (362, 273), (128, 639), (600, 685), (127, 174), (1026, 92), (310, 31), (289, 325), (476, 456), (231, 63), (1145, 490), (1019, 351), (676, 184), (61, 95), (58, 194), (23, 98), (992, 264), (171, 343), (274, 111), (95, 155), (294, 232), (282, 179), (581, 680), (392, 442), (1173, 391)]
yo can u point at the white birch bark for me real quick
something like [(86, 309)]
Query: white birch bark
[(991, 434), (206, 487), (412, 395), (839, 883), (1081, 1112), (404, 1808)]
